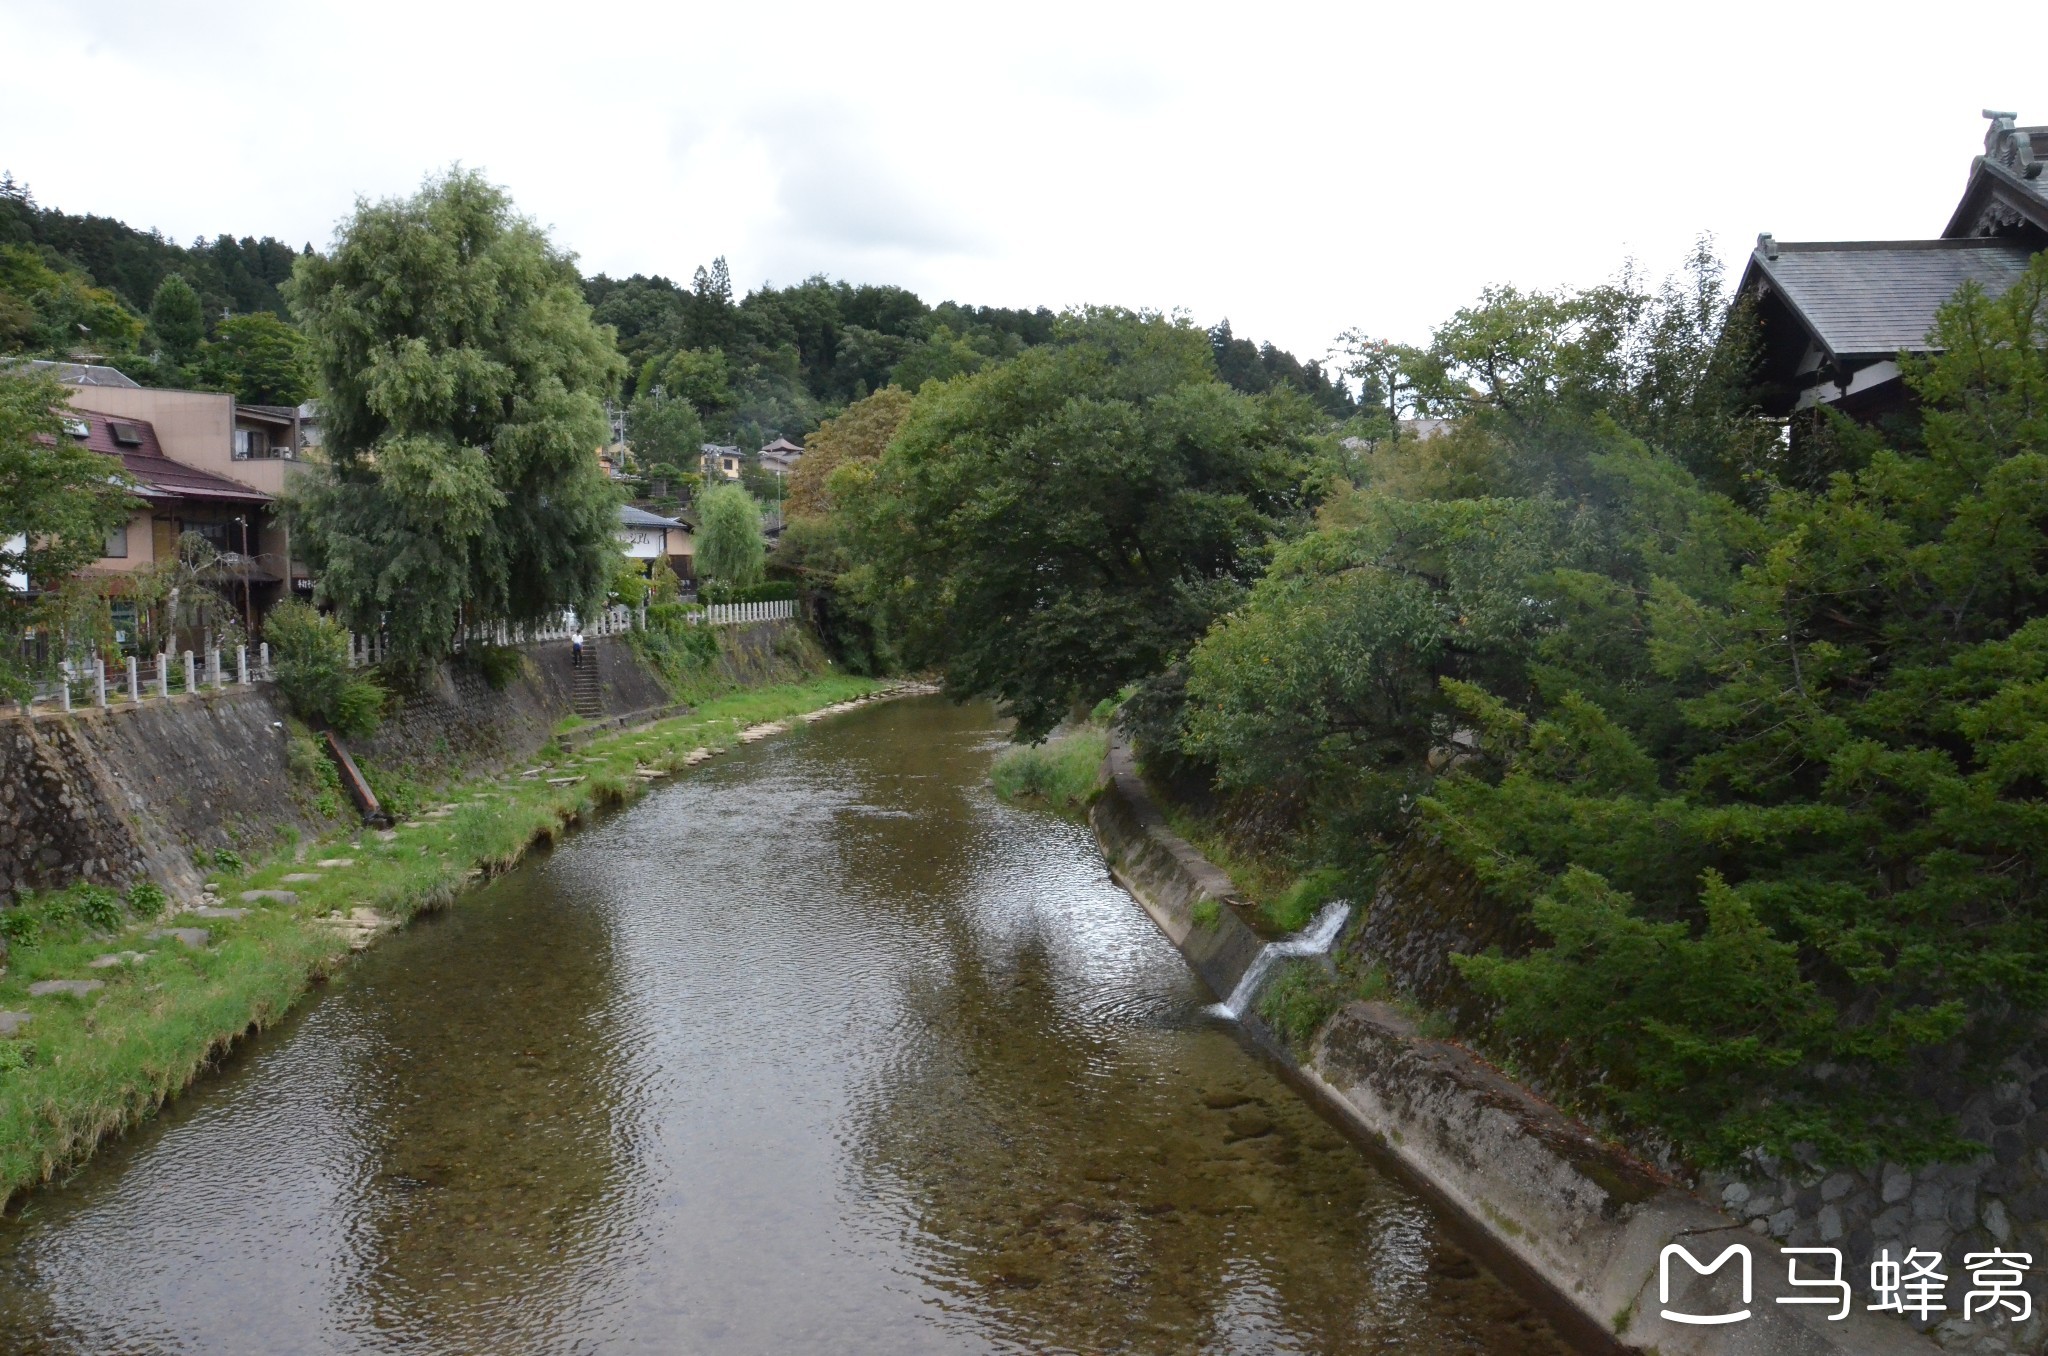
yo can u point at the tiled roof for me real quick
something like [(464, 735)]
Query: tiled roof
[(638, 517), (134, 441), (1878, 298)]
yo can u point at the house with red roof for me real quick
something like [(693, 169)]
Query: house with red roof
[(173, 498)]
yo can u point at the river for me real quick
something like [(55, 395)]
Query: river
[(817, 1048)]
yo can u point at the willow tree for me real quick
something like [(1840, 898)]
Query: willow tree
[(462, 383)]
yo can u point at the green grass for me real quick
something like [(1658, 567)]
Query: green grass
[(1063, 772), (87, 1068)]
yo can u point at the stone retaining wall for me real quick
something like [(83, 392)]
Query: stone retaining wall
[(130, 791), (1585, 1222)]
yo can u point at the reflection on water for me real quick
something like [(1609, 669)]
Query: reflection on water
[(820, 1048)]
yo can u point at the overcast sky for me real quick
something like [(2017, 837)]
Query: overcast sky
[(1299, 169)]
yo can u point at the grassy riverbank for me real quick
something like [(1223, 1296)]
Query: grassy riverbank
[(85, 1067), (1062, 773)]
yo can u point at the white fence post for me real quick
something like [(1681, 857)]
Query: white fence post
[(263, 659), (213, 674), (163, 674), (99, 681), (191, 675), (351, 649), (134, 672), (64, 689), (242, 665)]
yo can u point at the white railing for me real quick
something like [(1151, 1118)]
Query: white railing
[(90, 683), (739, 614), (613, 620)]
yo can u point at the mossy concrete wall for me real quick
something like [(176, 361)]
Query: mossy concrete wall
[(1554, 1205)]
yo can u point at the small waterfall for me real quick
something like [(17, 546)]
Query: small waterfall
[(1313, 940)]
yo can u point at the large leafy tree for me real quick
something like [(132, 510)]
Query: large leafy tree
[(260, 358), (58, 501), (1798, 925), (1054, 528), (463, 381), (729, 546)]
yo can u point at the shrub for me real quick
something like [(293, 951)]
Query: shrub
[(98, 909), (1297, 906), (1061, 773), (227, 859), (146, 899), (673, 647), (773, 591), (20, 926), (310, 654), (499, 664), (1299, 1000)]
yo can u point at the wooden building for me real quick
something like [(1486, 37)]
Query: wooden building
[(1834, 317)]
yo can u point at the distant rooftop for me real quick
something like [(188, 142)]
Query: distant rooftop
[(637, 517), (76, 374)]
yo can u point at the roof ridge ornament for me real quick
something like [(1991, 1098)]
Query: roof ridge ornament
[(2009, 146), (1768, 244)]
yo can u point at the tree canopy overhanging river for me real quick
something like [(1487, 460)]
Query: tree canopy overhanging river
[(820, 1048)]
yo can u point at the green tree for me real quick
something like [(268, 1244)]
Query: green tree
[(729, 545), (261, 359), (1057, 527), (176, 320), (463, 383), (855, 441), (700, 376), (664, 430), (1810, 917), (58, 502)]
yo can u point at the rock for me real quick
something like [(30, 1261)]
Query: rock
[(334, 862), (1930, 1202), (77, 988), (301, 878), (192, 937), (10, 1022), (563, 781), (1782, 1222), (386, 835), (1837, 1186), (1734, 1194), (114, 958), (268, 897), (1897, 1184), (1996, 1222), (237, 913)]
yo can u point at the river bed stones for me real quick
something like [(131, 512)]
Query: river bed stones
[(563, 781), (301, 878), (259, 897), (114, 958), (76, 988), (238, 913), (335, 863), (196, 938), (11, 1022)]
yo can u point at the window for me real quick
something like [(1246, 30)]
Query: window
[(251, 443), (126, 434), (117, 543)]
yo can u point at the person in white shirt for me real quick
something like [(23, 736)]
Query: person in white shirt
[(576, 649)]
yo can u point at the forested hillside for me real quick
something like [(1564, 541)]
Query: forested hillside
[(776, 362)]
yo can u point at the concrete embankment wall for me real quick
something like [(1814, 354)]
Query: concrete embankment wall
[(132, 791), (1586, 1223)]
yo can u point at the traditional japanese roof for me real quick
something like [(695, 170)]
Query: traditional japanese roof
[(782, 446), (1875, 299), (275, 414), (156, 476), (2007, 194), (77, 374)]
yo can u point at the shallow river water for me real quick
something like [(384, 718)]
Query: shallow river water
[(819, 1048)]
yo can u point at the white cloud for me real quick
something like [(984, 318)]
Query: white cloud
[(1299, 170)]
